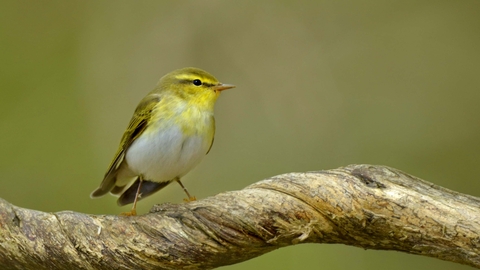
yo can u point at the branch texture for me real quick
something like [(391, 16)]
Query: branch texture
[(372, 207)]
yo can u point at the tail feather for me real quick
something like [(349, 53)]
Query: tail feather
[(107, 184), (118, 190), (147, 189)]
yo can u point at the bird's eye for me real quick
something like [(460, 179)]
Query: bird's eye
[(197, 82)]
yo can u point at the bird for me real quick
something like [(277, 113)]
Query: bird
[(170, 132)]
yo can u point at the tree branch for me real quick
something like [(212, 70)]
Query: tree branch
[(373, 207)]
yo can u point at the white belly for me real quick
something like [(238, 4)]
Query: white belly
[(165, 154)]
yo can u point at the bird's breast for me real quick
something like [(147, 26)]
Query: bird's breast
[(170, 147)]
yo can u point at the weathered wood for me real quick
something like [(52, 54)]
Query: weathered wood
[(368, 206)]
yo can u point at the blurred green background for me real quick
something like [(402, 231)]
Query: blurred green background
[(320, 84)]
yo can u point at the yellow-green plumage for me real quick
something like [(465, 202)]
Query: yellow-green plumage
[(171, 130)]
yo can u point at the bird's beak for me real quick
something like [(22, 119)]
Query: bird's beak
[(222, 86)]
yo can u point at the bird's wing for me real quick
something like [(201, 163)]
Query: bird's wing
[(213, 136), (137, 126)]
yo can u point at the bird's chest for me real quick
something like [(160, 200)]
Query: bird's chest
[(169, 149)]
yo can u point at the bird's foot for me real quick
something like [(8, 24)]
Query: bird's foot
[(190, 199), (129, 213)]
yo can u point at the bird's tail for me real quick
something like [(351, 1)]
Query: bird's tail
[(147, 188)]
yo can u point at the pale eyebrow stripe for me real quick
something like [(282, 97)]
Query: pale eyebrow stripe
[(203, 83), (188, 78)]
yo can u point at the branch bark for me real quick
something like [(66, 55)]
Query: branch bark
[(372, 207)]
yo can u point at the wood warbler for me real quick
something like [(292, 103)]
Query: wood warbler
[(170, 132)]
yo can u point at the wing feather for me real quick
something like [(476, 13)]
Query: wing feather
[(136, 127), (213, 136)]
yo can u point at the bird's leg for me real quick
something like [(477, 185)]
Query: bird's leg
[(133, 212), (190, 198), (137, 195)]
